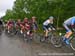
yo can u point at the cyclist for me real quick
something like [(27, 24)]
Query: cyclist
[(34, 23), (18, 24), (23, 25), (48, 26), (67, 24), (10, 25), (26, 23), (30, 28), (27, 26)]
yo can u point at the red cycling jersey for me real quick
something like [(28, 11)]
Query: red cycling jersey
[(10, 22), (18, 23), (27, 26)]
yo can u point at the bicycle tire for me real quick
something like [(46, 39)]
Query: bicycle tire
[(72, 44), (42, 39), (56, 41)]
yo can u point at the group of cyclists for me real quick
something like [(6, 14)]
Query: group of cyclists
[(48, 25), (25, 25)]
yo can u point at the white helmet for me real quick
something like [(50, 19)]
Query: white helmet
[(51, 17)]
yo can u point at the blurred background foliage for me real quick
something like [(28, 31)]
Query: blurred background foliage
[(42, 9)]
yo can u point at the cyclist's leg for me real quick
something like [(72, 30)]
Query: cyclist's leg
[(68, 34), (8, 27), (22, 29), (17, 28), (31, 33), (46, 31), (11, 26)]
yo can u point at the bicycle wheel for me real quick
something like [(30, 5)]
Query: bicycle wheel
[(42, 39), (36, 37), (72, 43), (12, 31), (56, 41)]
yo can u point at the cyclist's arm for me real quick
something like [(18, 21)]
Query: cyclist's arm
[(52, 26)]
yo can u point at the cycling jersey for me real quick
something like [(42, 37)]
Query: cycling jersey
[(35, 25), (10, 22), (70, 21), (47, 25), (24, 22), (18, 23), (46, 22), (27, 26)]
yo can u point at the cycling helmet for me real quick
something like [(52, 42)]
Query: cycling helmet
[(33, 17), (51, 17)]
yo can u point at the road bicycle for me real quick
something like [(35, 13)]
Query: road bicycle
[(71, 39), (53, 38)]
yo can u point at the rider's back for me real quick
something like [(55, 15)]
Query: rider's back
[(70, 20), (46, 22)]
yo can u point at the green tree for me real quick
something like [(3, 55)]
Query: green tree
[(42, 9)]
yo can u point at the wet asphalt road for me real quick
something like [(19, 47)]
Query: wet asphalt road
[(15, 46)]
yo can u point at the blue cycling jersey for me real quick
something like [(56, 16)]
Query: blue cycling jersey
[(70, 21)]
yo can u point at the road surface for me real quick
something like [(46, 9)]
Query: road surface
[(15, 46)]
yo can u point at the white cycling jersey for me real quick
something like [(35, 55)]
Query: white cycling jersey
[(47, 22)]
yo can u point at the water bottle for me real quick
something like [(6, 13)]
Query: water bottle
[(60, 34)]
